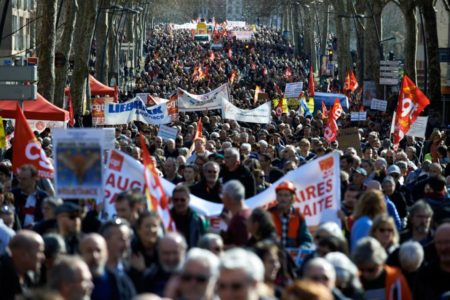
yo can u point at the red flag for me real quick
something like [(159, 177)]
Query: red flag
[(198, 134), (157, 199), (311, 82), (278, 90), (253, 66), (331, 130), (233, 76), (27, 149), (71, 115), (230, 54), (324, 111), (411, 102), (212, 56), (265, 71), (350, 84), (288, 73)]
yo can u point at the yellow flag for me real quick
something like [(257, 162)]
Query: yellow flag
[(2, 134)]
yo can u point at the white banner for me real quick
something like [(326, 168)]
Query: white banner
[(135, 110), (166, 132), (240, 24), (293, 89), (40, 125), (417, 129), (209, 101), (317, 183), (378, 104), (78, 160), (242, 35), (262, 114)]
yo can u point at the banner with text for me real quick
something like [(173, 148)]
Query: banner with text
[(293, 89), (209, 101), (98, 110), (317, 183), (261, 114), (135, 110)]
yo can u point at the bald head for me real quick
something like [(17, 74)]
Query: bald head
[(442, 243), (27, 251), (94, 252), (172, 249), (373, 185)]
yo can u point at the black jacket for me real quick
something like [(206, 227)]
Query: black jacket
[(20, 200), (9, 279), (121, 286), (243, 175), (201, 190)]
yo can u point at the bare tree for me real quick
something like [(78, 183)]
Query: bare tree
[(101, 39), (47, 37), (408, 8), (63, 48), (83, 39)]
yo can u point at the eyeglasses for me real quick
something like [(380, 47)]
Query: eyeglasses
[(187, 277), (235, 286), (179, 199)]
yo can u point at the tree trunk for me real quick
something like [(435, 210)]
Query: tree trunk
[(343, 37), (296, 32), (46, 66), (83, 39), (434, 68), (372, 47), (325, 24), (409, 12), (64, 48), (101, 60), (308, 35)]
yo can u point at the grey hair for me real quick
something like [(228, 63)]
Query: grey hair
[(204, 257), (246, 146), (65, 270), (205, 241), (421, 205), (411, 255), (320, 262), (210, 163), (183, 151), (226, 145), (241, 259), (332, 229), (369, 250), (235, 190), (346, 271), (233, 152)]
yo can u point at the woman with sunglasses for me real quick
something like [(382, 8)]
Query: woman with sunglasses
[(384, 230)]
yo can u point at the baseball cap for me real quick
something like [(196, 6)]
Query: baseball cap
[(361, 171), (285, 185), (68, 207), (393, 169)]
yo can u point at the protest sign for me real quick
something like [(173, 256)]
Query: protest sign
[(317, 183), (209, 101), (98, 110), (293, 89), (356, 116), (110, 138), (378, 104), (370, 92), (166, 132), (261, 114), (135, 110), (78, 163), (243, 35), (40, 125), (417, 129), (349, 137)]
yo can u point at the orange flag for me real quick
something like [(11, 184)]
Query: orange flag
[(411, 102), (27, 149), (350, 84), (257, 90), (311, 82), (157, 199), (198, 134), (324, 111), (212, 56), (331, 130)]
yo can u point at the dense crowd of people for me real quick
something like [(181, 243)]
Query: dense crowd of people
[(393, 241)]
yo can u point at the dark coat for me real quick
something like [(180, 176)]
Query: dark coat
[(21, 199), (9, 279), (243, 175)]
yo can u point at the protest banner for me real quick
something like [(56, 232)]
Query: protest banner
[(243, 35), (40, 125), (135, 110), (209, 101), (318, 188), (261, 114), (236, 24), (166, 132), (151, 100), (378, 104), (78, 158), (292, 90), (98, 110), (202, 28), (349, 137), (110, 138), (418, 128)]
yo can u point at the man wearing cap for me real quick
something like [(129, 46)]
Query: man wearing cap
[(289, 221), (68, 217), (359, 177)]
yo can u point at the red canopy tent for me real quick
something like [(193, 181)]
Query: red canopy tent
[(39, 109), (97, 88)]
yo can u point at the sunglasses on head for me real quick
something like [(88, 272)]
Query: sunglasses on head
[(187, 277), (235, 286)]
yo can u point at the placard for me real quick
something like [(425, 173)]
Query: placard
[(78, 159), (293, 89), (349, 137), (356, 116), (378, 104), (370, 92), (166, 132)]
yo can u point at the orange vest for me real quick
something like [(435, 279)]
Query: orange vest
[(396, 285), (295, 220)]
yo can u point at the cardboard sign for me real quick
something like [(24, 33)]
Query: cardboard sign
[(349, 137), (357, 116), (370, 92)]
